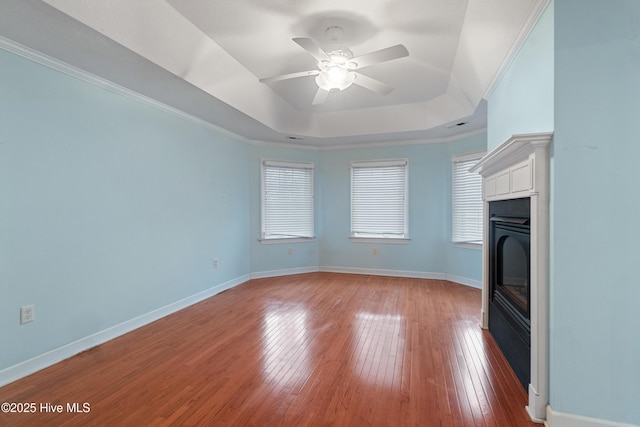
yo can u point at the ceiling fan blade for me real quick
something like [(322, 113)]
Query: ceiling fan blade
[(290, 76), (311, 47), (321, 97), (372, 84), (382, 55)]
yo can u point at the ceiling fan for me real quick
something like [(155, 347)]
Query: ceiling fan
[(337, 68)]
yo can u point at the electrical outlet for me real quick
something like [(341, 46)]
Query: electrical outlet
[(215, 263), (290, 250), (375, 251), (27, 314)]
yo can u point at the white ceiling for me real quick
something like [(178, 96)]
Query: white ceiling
[(205, 57)]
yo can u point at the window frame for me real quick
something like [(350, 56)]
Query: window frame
[(466, 158), (402, 238), (266, 238)]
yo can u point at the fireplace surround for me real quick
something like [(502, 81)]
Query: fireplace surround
[(519, 169)]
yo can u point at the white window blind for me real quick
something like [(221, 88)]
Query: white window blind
[(287, 200), (467, 200), (379, 199)]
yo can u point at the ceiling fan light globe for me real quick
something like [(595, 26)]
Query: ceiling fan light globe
[(336, 74), (335, 78), (323, 82), (348, 79)]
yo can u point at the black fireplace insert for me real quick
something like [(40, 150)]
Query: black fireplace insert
[(509, 282)]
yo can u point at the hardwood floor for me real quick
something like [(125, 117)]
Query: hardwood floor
[(317, 349)]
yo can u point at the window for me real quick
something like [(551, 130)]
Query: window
[(379, 199), (287, 200), (467, 200)]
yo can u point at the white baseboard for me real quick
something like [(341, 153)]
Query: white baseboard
[(464, 281), (283, 272), (561, 419), (370, 271), (28, 367), (373, 272), (383, 272), (537, 407)]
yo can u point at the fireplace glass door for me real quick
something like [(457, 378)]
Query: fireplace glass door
[(509, 282), (512, 269)]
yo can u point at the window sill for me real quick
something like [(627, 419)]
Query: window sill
[(286, 240), (476, 246), (392, 240)]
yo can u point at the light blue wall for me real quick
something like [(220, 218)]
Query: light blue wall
[(427, 211), (594, 349), (523, 100), (595, 343), (108, 209), (267, 258), (429, 250)]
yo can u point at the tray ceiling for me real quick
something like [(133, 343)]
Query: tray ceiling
[(206, 58)]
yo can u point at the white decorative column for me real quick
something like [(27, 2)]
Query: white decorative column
[(520, 168)]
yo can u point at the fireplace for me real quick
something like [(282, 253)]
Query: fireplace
[(509, 282), (515, 307)]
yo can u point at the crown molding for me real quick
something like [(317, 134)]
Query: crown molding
[(407, 142), (530, 21), (289, 145), (363, 145), (78, 73)]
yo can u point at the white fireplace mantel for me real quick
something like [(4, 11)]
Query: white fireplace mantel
[(520, 168), (516, 168)]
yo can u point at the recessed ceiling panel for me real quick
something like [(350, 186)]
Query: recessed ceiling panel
[(259, 36)]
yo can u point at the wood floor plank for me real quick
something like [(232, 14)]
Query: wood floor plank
[(317, 349)]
